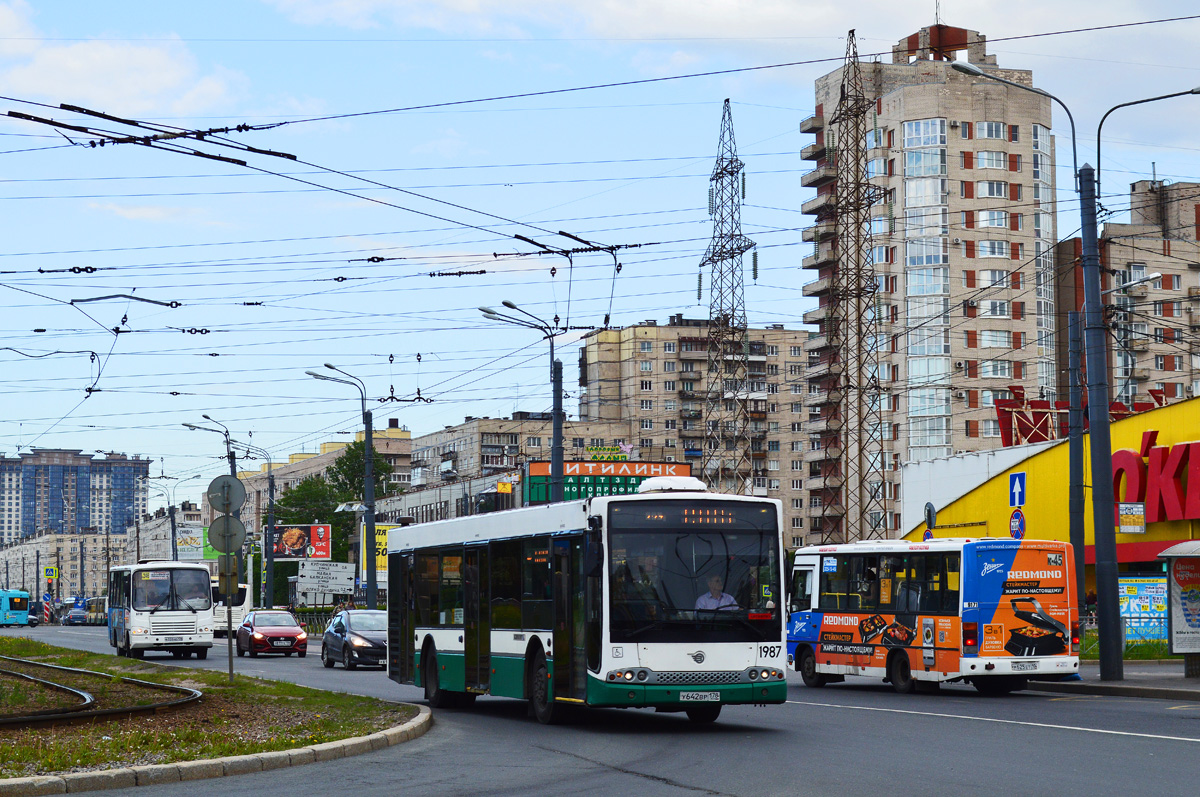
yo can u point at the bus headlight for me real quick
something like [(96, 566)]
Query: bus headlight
[(136, 631)]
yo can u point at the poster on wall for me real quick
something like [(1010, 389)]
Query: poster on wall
[(1143, 605), (1184, 583), (190, 541)]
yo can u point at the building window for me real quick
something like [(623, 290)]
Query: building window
[(647, 404), (797, 464), (993, 278), (773, 484), (925, 162), (669, 443), (993, 249), (645, 345), (992, 308), (595, 442), (646, 442), (647, 423), (927, 281), (645, 366), (991, 218), (925, 133), (921, 191), (995, 369), (533, 442), (991, 188), (576, 442), (772, 464), (995, 339), (990, 130), (794, 351), (670, 423), (814, 502), (669, 347), (991, 160), (647, 384), (669, 366), (669, 385), (989, 427)]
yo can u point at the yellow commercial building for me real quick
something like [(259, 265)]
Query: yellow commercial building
[(1025, 489)]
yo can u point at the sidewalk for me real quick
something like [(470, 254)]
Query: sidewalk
[(1162, 679)]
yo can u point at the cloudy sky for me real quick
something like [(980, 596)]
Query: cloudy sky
[(268, 263)]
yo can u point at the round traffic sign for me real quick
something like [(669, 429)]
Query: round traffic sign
[(1016, 524), (226, 494), (927, 536), (226, 534)]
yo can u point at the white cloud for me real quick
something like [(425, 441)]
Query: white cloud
[(114, 76)]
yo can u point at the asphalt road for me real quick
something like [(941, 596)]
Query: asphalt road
[(833, 740)]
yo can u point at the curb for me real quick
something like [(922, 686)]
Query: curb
[(1112, 690), (156, 774)]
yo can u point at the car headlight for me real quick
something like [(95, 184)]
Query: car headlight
[(257, 635), (301, 636), (359, 642)]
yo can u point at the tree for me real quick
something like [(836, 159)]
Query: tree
[(345, 475)]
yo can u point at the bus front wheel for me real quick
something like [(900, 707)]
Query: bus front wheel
[(704, 713), (544, 708), (202, 653), (434, 693), (808, 670), (900, 673)]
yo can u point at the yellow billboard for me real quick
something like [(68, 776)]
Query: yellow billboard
[(381, 532)]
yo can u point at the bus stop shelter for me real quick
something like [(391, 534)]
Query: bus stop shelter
[(1183, 603)]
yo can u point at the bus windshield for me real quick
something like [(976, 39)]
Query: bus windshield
[(171, 589), (679, 576)]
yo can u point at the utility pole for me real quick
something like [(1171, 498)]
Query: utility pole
[(725, 459)]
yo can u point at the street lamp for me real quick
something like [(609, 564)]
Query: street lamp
[(268, 592), (1108, 620), (549, 333), (368, 473)]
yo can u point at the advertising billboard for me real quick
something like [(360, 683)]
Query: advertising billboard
[(1184, 584), (381, 532), (190, 540), (1143, 603), (293, 543)]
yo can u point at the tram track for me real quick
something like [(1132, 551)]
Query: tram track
[(102, 695)]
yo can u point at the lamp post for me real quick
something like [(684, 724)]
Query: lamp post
[(268, 545), (549, 333), (1095, 332), (368, 474)]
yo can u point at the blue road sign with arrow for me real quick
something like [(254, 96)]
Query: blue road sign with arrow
[(1016, 489)]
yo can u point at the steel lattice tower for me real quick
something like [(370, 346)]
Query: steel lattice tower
[(725, 462), (854, 499)]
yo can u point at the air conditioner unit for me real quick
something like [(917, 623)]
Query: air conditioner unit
[(1189, 310), (953, 125), (959, 364), (960, 394), (958, 240), (972, 303), (1188, 389)]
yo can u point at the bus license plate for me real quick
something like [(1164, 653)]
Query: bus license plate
[(173, 639), (700, 697), (1024, 666)]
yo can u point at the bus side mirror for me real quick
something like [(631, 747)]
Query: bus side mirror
[(593, 559), (595, 522)]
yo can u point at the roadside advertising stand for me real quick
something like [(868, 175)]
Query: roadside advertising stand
[(1183, 603)]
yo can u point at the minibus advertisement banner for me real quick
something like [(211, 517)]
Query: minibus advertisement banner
[(1023, 598)]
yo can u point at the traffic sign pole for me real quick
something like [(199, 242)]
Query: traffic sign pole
[(226, 534)]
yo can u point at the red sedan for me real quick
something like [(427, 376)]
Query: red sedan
[(271, 632)]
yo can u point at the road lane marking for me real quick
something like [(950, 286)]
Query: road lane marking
[(1002, 722)]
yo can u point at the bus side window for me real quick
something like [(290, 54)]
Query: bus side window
[(505, 558), (800, 599), (950, 592), (427, 589), (835, 582), (450, 605)]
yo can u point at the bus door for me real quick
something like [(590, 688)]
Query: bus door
[(401, 603), (477, 634), (569, 652), (801, 624)]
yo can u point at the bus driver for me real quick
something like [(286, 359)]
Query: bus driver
[(715, 599)]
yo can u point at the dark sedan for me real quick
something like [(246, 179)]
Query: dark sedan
[(75, 617), (271, 632), (354, 637)]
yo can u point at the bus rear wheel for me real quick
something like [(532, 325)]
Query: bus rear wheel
[(900, 673), (544, 708), (704, 713), (808, 670)]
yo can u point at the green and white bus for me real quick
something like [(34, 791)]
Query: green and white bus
[(669, 599)]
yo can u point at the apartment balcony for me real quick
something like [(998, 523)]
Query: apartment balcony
[(822, 397), (819, 204), (1138, 344), (812, 124), (817, 371), (1142, 290), (823, 454), (819, 259), (822, 175), (691, 415), (816, 287), (817, 342), (1140, 374), (813, 152), (819, 232), (833, 482), (818, 424), (815, 315)]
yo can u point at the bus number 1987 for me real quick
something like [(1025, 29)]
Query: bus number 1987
[(769, 651)]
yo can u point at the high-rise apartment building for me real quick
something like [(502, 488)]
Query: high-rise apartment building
[(963, 230), (67, 491), (650, 380), (1156, 323)]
